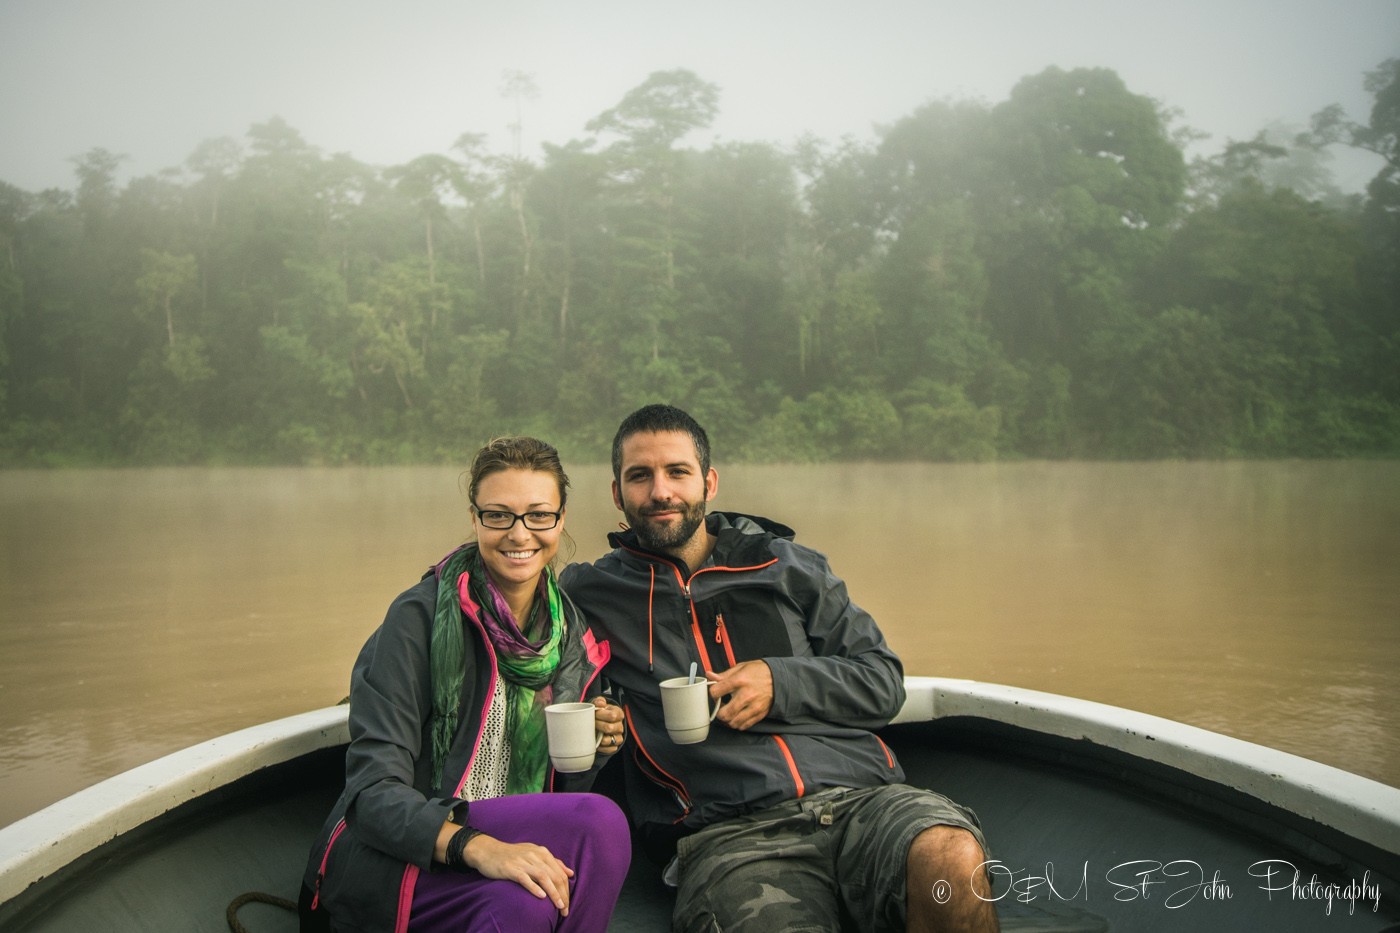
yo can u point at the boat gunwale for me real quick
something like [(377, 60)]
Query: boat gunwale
[(40, 845), (1354, 806), (45, 842)]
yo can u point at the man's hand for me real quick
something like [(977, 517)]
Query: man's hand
[(749, 687), (607, 719)]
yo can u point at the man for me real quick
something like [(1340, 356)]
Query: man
[(791, 814)]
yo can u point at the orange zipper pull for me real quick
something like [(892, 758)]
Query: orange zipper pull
[(719, 629)]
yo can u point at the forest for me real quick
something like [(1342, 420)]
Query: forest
[(1048, 276)]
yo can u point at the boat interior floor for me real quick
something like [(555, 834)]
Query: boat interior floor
[(1075, 849)]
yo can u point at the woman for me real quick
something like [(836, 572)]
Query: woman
[(443, 823)]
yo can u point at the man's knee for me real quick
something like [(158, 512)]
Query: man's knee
[(946, 848), (950, 858)]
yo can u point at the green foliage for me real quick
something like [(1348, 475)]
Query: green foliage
[(941, 423), (1034, 278), (830, 425), (661, 110)]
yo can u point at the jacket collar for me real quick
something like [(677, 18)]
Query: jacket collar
[(742, 539)]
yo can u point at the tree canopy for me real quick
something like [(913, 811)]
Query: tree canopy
[(1043, 277)]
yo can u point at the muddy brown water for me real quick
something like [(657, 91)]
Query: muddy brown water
[(144, 610)]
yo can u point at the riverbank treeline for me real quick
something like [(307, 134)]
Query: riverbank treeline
[(1042, 277)]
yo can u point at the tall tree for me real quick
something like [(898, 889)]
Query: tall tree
[(474, 185), (567, 193), (518, 87), (97, 186), (739, 201), (1091, 173), (214, 162), (1380, 217), (1381, 135), (649, 122), (425, 181), (164, 280), (13, 207), (1275, 278)]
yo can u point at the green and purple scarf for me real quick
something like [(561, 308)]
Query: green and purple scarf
[(465, 589)]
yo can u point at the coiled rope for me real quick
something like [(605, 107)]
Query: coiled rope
[(232, 913)]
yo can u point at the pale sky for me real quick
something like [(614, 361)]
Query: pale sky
[(389, 81)]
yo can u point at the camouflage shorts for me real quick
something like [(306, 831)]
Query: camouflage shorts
[(831, 861)]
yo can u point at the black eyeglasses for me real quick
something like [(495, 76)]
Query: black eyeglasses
[(498, 520)]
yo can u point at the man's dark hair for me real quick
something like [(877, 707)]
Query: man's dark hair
[(651, 419)]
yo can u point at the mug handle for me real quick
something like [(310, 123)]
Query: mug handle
[(719, 701)]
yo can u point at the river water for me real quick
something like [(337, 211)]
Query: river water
[(143, 610)]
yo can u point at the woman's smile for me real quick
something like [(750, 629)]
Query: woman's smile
[(516, 556)]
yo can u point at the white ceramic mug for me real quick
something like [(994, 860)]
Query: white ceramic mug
[(573, 737), (686, 706)]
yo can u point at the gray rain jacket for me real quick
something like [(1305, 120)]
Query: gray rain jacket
[(381, 833), (761, 596)]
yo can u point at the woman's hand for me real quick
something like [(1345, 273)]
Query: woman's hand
[(532, 867), (608, 720)]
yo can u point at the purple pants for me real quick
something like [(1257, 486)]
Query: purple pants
[(586, 832)]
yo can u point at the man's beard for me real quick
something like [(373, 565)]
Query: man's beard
[(667, 537)]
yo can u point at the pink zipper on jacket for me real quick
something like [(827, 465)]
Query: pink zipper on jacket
[(326, 857), (467, 600), (410, 873), (598, 654)]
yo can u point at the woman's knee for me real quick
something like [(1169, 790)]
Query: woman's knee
[(605, 831), (601, 812), (518, 909)]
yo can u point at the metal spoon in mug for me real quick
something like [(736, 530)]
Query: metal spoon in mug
[(692, 672)]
